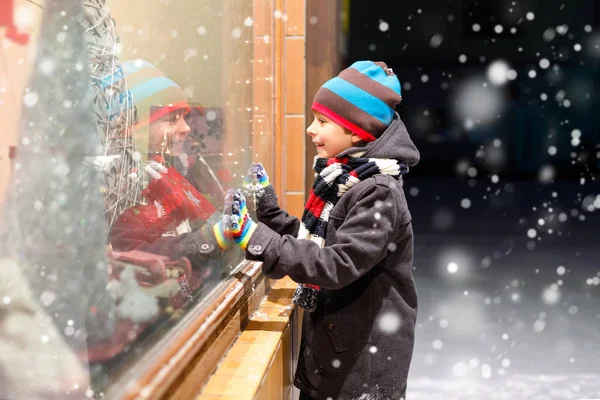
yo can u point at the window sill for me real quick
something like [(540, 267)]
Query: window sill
[(187, 355), (260, 364)]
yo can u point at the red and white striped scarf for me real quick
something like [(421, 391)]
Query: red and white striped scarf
[(334, 177)]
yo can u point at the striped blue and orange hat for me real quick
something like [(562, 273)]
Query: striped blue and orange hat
[(362, 98), (150, 91)]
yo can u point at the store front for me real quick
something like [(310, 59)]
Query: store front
[(117, 113)]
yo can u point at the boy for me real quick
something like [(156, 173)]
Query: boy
[(352, 253)]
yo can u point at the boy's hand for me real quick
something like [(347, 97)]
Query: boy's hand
[(255, 182), (256, 177), (242, 226)]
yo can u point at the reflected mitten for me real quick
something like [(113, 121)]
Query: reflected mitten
[(222, 233), (242, 226), (176, 194), (163, 212), (255, 182)]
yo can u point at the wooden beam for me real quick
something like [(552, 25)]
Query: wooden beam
[(323, 62), (279, 103)]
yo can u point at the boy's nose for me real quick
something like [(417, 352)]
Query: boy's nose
[(311, 130), (183, 128)]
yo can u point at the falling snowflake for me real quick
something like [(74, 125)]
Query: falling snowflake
[(389, 323), (31, 99), (551, 295), (436, 40), (452, 268), (497, 72)]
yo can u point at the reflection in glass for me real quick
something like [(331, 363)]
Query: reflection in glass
[(113, 229)]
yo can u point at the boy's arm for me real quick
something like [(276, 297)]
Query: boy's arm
[(362, 241), (270, 214), (136, 230)]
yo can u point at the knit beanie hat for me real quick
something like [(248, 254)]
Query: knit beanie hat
[(150, 91), (362, 98), (154, 95)]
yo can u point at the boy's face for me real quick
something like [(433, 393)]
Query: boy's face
[(329, 137), (168, 133)]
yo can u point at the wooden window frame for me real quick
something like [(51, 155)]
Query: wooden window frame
[(195, 345), (322, 41)]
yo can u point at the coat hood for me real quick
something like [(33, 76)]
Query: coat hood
[(394, 143)]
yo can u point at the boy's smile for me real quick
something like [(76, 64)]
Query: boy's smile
[(330, 138)]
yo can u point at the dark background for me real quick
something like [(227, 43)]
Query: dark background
[(526, 123), (513, 180), (491, 199)]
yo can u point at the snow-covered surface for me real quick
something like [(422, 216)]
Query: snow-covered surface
[(502, 314)]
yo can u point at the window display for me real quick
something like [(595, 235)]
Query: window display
[(136, 117)]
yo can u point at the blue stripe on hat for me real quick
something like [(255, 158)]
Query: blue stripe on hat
[(125, 68), (361, 99), (134, 66), (150, 87), (370, 69)]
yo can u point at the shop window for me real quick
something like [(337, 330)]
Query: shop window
[(134, 119)]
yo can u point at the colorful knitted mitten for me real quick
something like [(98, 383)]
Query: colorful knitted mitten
[(255, 182), (222, 232), (242, 226), (256, 176)]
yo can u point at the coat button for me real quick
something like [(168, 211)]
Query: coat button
[(308, 352), (206, 248), (330, 326), (256, 249)]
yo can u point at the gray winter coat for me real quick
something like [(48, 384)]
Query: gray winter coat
[(358, 343)]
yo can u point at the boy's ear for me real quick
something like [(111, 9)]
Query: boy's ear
[(356, 139)]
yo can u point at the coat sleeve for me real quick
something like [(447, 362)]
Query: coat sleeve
[(130, 232), (361, 243), (269, 213)]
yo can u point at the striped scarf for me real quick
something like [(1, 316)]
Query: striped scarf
[(334, 176)]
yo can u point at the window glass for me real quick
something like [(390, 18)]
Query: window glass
[(127, 123)]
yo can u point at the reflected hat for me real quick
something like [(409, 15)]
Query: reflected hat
[(362, 98), (153, 94), (148, 90)]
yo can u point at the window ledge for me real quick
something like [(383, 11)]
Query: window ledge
[(260, 362), (198, 341)]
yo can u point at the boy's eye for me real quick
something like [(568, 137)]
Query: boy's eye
[(321, 120), (174, 118)]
